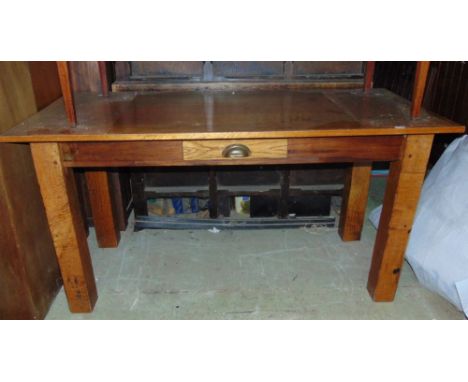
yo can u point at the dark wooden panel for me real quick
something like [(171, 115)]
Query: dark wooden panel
[(167, 69), (346, 149), (178, 177), (122, 153), (252, 175), (122, 70), (245, 69), (45, 82), (461, 104), (324, 174), (446, 91), (29, 274), (235, 75), (85, 76), (237, 85), (324, 68), (449, 91), (395, 76), (300, 175), (439, 87), (225, 70), (169, 153), (447, 85)]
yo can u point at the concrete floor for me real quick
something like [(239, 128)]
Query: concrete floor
[(264, 274)]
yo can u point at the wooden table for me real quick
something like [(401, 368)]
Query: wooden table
[(232, 128)]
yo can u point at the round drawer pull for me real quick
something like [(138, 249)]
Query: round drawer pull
[(236, 150)]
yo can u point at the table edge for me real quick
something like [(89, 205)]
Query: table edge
[(447, 129)]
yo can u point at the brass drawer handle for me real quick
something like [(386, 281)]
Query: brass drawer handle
[(236, 150)]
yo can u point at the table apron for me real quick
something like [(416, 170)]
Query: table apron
[(283, 151)]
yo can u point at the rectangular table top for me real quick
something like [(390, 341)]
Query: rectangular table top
[(229, 115)]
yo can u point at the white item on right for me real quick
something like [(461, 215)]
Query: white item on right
[(374, 216), (438, 245), (241, 205)]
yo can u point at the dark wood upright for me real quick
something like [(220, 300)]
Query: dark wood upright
[(29, 273)]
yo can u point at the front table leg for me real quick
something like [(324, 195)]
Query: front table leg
[(57, 185), (401, 199)]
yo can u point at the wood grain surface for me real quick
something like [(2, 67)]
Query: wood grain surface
[(399, 206), (170, 153), (223, 115), (213, 149), (67, 91), (29, 273), (369, 75), (57, 185), (422, 69), (45, 81), (104, 216), (353, 207), (237, 85)]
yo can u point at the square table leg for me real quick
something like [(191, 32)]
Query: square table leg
[(57, 185), (104, 214), (400, 202), (353, 207)]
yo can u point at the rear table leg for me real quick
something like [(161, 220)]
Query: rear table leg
[(104, 216), (353, 207)]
